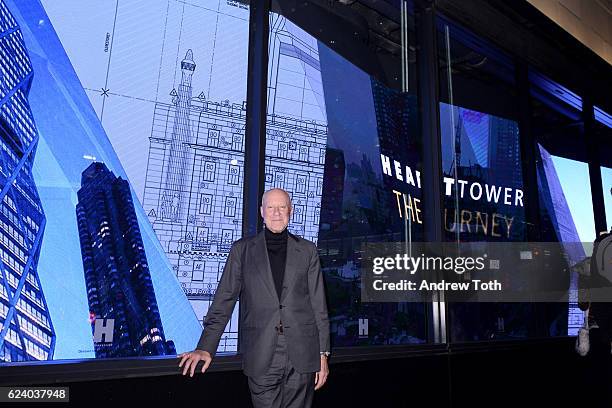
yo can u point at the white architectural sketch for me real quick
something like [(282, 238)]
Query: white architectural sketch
[(296, 132), (127, 55), (193, 188), (167, 79)]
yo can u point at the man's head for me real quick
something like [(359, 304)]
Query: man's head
[(276, 209)]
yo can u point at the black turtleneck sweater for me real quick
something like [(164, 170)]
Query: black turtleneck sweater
[(276, 244)]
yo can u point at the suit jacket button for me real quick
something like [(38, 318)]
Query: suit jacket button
[(280, 306)]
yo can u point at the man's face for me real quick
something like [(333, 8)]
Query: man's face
[(276, 210)]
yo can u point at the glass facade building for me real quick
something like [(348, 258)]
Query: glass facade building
[(119, 287), (27, 331)]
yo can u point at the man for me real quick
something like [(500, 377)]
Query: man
[(284, 325)]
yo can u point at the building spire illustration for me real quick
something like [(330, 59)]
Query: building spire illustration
[(176, 168)]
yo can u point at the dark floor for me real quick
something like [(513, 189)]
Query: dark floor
[(525, 375)]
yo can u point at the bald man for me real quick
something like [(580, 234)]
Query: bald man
[(284, 325)]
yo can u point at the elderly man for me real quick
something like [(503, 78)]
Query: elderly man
[(284, 326)]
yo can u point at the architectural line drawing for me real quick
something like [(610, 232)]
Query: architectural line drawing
[(296, 131), (193, 187)]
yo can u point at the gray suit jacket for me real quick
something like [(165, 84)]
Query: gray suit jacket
[(302, 306)]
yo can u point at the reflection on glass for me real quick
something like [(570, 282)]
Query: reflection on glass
[(603, 117), (558, 127), (483, 187), (483, 182), (329, 125), (483, 201)]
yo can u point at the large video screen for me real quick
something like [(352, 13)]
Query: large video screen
[(566, 215), (122, 130), (483, 182)]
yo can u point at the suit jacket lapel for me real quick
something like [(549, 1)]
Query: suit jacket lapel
[(262, 263), (293, 258)]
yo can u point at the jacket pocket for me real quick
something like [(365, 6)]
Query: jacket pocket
[(308, 329)]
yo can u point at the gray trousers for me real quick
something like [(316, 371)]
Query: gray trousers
[(282, 386)]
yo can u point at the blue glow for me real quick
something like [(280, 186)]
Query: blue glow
[(603, 117), (574, 178), (553, 88)]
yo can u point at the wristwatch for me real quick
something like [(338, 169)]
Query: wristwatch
[(325, 353)]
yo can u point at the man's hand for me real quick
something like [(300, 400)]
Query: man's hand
[(321, 376), (191, 359)]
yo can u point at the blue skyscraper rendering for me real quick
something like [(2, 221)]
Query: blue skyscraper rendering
[(26, 329), (123, 308)]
